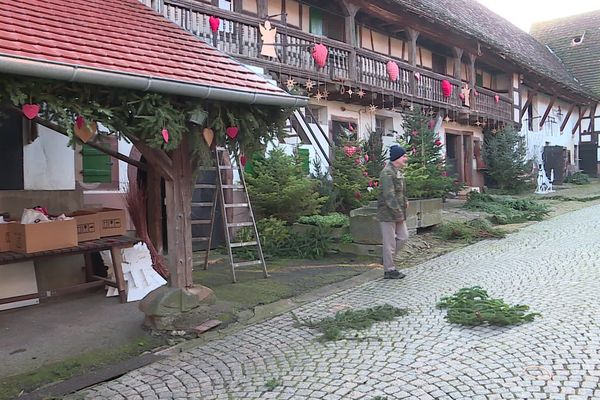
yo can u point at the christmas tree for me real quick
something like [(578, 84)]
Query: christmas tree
[(425, 174)]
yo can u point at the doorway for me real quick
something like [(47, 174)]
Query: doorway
[(459, 156), (588, 158)]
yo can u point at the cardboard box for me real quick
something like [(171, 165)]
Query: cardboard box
[(112, 221), (4, 237), (88, 225), (30, 238)]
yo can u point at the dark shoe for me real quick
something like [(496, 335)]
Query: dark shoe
[(393, 274)]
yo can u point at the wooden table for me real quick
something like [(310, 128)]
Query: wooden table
[(112, 243)]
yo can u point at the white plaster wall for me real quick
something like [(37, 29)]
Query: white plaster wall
[(49, 162), (549, 134)]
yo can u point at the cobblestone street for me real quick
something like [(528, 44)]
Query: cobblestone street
[(551, 266)]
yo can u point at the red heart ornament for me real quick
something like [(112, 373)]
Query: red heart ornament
[(417, 76), (446, 88), (243, 160), (79, 121), (232, 131), (319, 54), (165, 135), (214, 23), (30, 110), (393, 70), (86, 131), (497, 98)]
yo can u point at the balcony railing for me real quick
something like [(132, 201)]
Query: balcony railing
[(239, 36)]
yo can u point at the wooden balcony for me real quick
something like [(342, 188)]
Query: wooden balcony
[(239, 36)]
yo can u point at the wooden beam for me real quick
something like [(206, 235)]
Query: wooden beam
[(567, 116), (591, 126), (156, 157), (413, 35), (578, 123), (548, 110), (530, 95), (458, 53)]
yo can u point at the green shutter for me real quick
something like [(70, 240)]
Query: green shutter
[(96, 166), (304, 157), (316, 21)]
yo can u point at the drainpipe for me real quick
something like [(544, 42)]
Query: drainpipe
[(73, 73)]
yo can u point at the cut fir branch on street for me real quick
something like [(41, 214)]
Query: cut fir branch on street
[(473, 306)]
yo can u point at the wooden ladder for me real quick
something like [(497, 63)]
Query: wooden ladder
[(223, 164)]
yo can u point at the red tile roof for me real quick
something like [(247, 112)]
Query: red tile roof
[(119, 36)]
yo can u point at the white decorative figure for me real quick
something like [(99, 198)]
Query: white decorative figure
[(267, 36), (544, 185), (466, 95)]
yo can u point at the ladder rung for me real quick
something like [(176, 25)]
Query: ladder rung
[(234, 187), (202, 204), (247, 263), (226, 167), (201, 221), (234, 205), (205, 186), (238, 224), (243, 244), (206, 168), (199, 239), (220, 148)]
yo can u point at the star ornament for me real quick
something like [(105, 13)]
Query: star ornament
[(372, 108), (309, 84), (325, 94), (361, 93), (477, 123), (319, 96), (290, 83), (350, 92), (447, 119)]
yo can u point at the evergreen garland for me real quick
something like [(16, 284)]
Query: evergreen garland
[(473, 306), (142, 115)]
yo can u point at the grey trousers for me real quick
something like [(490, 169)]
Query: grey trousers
[(394, 235)]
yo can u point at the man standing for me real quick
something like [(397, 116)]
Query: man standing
[(391, 210)]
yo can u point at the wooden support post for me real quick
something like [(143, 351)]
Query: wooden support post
[(591, 126), (458, 53), (179, 211), (154, 209), (115, 253), (578, 123), (530, 95), (412, 56)]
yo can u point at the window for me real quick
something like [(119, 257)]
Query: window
[(11, 152), (226, 5), (384, 125), (343, 130), (438, 64), (479, 79), (315, 114), (323, 23)]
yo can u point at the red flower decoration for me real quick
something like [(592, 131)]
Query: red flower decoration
[(392, 70), (446, 88), (214, 23), (319, 54)]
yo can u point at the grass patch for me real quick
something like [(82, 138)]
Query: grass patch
[(333, 328), (571, 198), (507, 210), (272, 384), (12, 386), (473, 306), (469, 231)]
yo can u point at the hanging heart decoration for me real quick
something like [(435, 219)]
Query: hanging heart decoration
[(475, 93), (214, 23), (417, 76), (165, 134), (497, 98), (30, 110), (366, 158), (84, 130), (319, 54), (393, 70), (446, 88), (79, 121), (462, 96), (243, 160), (208, 136), (232, 131)]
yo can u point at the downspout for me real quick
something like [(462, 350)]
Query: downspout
[(72, 73)]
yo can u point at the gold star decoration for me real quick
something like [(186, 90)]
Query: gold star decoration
[(477, 123), (372, 108), (290, 83), (361, 93), (447, 119), (350, 92), (309, 84), (319, 96), (325, 94)]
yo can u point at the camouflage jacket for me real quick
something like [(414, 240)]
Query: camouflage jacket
[(392, 202)]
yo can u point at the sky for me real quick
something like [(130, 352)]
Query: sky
[(523, 13)]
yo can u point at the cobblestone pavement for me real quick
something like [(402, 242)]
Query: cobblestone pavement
[(551, 266)]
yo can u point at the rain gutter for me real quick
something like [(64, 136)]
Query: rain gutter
[(16, 65)]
